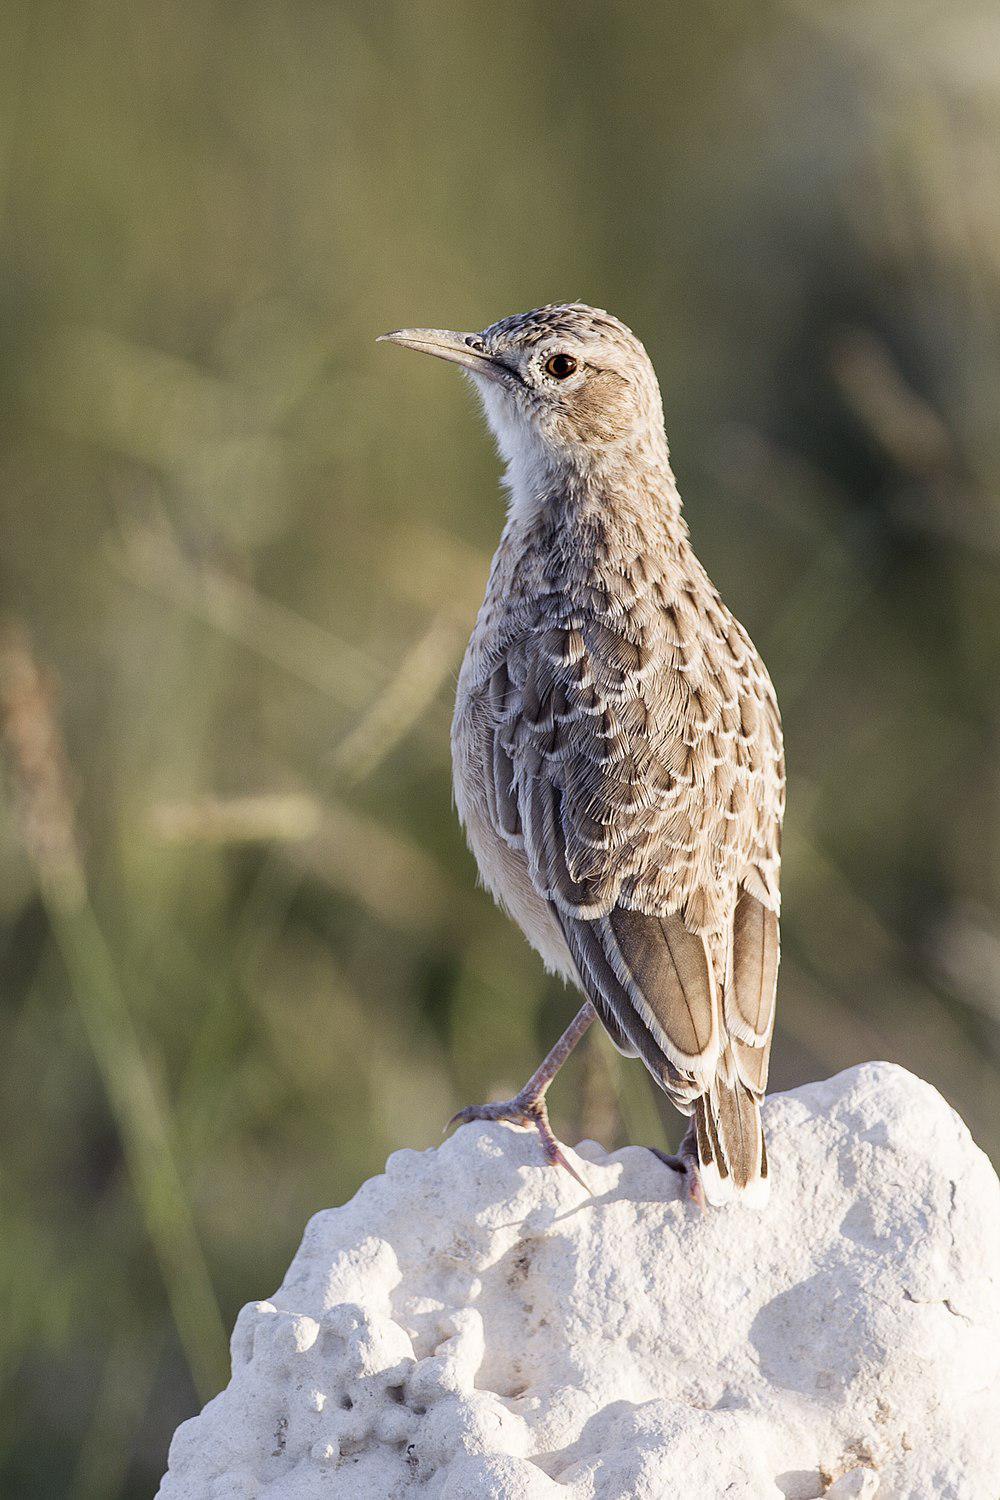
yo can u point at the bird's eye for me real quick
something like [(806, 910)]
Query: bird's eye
[(559, 366)]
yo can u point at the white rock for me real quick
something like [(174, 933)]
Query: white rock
[(473, 1325)]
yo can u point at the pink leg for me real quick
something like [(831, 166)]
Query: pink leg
[(685, 1162), (528, 1107)]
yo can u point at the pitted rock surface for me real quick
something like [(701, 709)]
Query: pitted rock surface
[(472, 1324)]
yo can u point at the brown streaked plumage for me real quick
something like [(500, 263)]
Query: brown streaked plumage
[(617, 745)]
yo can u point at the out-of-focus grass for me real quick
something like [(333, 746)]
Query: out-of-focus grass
[(248, 545)]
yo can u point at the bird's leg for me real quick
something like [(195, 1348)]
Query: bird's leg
[(685, 1161), (528, 1107)]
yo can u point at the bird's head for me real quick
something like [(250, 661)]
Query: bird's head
[(565, 386)]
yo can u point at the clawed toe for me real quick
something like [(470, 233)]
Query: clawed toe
[(529, 1113), (510, 1110), (555, 1155), (687, 1167), (553, 1151), (674, 1162)]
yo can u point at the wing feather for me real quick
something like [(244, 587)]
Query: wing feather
[(504, 795), (665, 973), (635, 755), (656, 1022), (749, 1003)]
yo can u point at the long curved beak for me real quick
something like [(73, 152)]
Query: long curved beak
[(443, 343)]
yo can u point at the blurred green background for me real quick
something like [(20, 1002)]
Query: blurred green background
[(242, 955)]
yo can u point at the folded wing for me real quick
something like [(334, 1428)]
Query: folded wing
[(634, 756)]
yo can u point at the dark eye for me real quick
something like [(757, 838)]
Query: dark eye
[(559, 366)]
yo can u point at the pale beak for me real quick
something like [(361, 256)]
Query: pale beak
[(459, 348)]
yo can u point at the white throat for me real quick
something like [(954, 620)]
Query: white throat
[(529, 463)]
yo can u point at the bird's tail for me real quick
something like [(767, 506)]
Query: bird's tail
[(730, 1139)]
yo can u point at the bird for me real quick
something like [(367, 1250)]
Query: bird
[(616, 744)]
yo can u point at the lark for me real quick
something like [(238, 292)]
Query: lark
[(617, 748)]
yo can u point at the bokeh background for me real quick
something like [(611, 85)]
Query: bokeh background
[(242, 955)]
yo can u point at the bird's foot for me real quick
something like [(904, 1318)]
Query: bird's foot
[(687, 1166), (529, 1111)]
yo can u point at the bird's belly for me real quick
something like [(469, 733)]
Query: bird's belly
[(502, 868)]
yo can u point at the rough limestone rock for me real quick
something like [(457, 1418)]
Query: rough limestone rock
[(472, 1324)]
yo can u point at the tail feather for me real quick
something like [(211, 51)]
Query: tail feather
[(730, 1140)]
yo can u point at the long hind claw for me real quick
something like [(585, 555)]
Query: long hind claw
[(528, 1113)]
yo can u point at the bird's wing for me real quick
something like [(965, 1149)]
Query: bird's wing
[(752, 967), (633, 753)]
